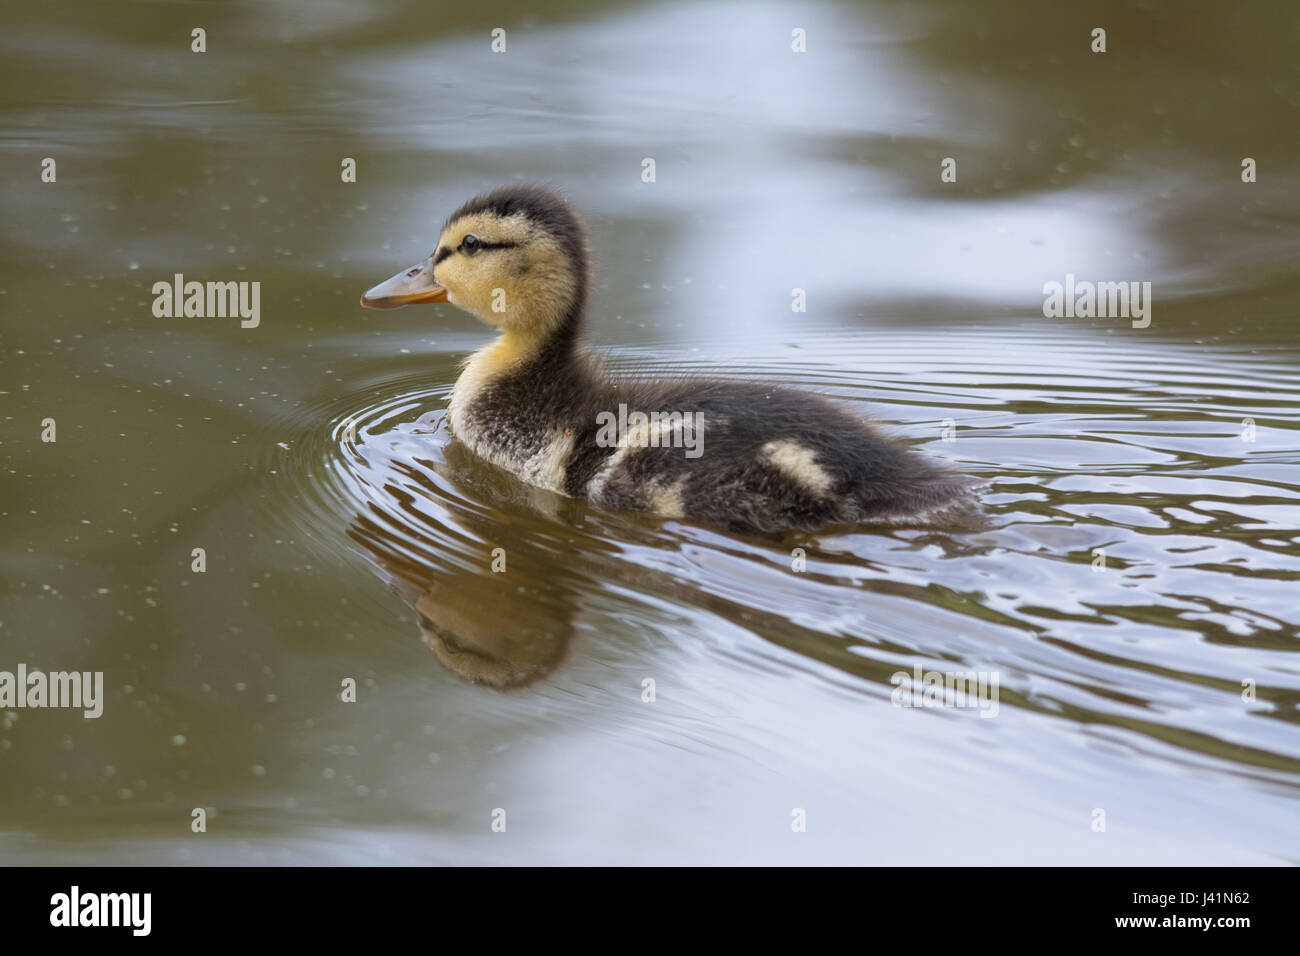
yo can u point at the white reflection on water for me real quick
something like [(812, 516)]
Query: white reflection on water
[(768, 162)]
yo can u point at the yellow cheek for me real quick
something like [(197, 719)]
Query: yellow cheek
[(452, 275), (487, 289)]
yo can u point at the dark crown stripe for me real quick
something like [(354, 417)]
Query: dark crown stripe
[(547, 210)]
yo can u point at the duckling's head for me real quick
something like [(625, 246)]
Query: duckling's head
[(515, 257)]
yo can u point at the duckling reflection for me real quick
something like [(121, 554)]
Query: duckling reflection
[(503, 619), (482, 626)]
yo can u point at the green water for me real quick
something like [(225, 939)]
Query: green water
[(308, 456)]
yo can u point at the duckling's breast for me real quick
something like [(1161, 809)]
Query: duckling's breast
[(510, 414), (537, 452)]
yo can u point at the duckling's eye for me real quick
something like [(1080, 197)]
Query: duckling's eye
[(470, 243)]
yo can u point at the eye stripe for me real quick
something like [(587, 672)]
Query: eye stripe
[(445, 253), (484, 244)]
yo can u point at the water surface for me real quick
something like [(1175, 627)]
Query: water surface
[(344, 532)]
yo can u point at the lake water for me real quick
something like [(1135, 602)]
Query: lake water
[(1134, 588)]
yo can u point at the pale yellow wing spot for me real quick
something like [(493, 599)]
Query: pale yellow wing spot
[(800, 465)]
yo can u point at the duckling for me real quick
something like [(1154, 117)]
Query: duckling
[(748, 456)]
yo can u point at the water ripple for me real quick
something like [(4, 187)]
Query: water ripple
[(1136, 574)]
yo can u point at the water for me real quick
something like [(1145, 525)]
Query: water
[(1134, 582)]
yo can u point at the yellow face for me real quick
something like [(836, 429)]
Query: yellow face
[(505, 270)]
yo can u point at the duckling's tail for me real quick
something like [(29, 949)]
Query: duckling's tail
[(930, 498)]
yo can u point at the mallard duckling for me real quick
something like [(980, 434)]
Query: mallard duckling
[(747, 456)]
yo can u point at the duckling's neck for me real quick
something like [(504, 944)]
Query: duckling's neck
[(521, 371)]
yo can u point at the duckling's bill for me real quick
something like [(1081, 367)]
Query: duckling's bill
[(409, 287)]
